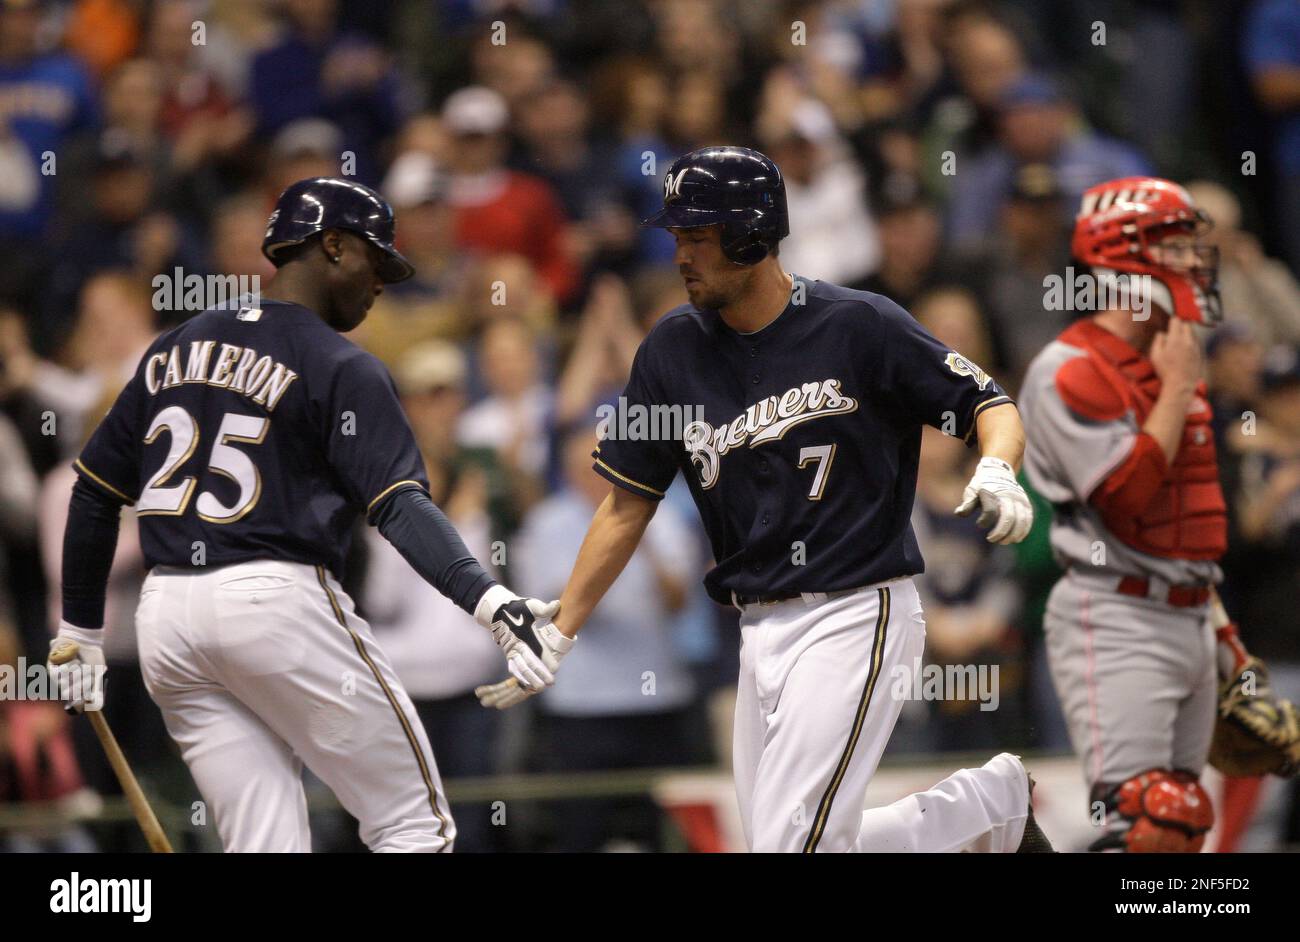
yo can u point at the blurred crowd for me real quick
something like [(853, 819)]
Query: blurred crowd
[(934, 151)]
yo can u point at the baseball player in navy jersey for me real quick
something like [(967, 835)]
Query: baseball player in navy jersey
[(248, 441), (807, 402)]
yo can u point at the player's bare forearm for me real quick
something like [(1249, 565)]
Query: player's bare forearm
[(1001, 434), (611, 539)]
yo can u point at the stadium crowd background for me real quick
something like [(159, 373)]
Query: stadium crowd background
[(934, 151)]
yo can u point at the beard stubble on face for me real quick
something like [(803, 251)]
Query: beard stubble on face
[(721, 290)]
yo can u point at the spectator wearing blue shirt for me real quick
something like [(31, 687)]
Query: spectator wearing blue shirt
[(46, 99), (1272, 53), (631, 97), (126, 228), (623, 699), (316, 71), (555, 126), (1036, 124)]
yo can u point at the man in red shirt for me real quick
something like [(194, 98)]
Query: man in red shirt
[(499, 210)]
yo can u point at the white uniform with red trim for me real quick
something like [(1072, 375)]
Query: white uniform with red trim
[(1129, 638)]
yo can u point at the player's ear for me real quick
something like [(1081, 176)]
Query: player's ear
[(331, 241)]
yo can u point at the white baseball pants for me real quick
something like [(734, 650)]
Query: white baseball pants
[(261, 667), (814, 711)]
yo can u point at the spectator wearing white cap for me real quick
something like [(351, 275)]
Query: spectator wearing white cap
[(500, 210), (1255, 289), (433, 303), (832, 234), (308, 147), (439, 652)]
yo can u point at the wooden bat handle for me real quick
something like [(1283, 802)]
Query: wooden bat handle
[(144, 816), (1218, 614), (63, 652), (67, 651)]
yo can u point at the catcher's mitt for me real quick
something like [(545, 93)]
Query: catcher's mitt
[(1255, 733)]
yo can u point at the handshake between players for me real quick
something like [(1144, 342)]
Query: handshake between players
[(533, 646)]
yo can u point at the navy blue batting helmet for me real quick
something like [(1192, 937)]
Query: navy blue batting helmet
[(319, 203), (736, 187)]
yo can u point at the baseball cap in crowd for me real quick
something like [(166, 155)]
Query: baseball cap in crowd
[(899, 192), (415, 178), (1033, 89), (1036, 183), (314, 136), (475, 110), (116, 151), (433, 364), (1281, 368), (1226, 334), (812, 121)]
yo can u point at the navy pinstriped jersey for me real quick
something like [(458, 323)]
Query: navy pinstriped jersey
[(800, 441), (260, 433)]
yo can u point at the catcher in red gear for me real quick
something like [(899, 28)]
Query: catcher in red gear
[(1119, 441)]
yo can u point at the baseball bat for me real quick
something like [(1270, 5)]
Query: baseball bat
[(144, 816)]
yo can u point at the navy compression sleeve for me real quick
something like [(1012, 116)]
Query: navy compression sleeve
[(89, 542), (426, 539)]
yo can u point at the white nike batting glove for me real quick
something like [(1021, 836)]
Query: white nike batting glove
[(79, 679), (1004, 505), (522, 627)]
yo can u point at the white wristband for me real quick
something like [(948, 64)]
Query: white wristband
[(492, 599), (91, 636)]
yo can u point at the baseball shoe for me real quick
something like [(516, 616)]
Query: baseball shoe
[(1034, 840)]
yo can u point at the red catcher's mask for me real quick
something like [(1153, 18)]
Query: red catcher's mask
[(1149, 226)]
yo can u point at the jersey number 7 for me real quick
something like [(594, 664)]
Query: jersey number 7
[(823, 455), (161, 498)]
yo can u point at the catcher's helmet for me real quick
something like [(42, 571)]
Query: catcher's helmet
[(736, 187), (1122, 221), (319, 203)]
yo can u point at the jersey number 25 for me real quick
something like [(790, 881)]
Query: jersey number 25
[(160, 497)]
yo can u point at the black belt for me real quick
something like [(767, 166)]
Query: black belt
[(740, 601), (743, 600)]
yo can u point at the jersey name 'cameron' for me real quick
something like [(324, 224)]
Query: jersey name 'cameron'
[(253, 433), (803, 452), (240, 369)]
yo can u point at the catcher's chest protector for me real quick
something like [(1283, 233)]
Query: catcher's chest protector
[(1187, 519)]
